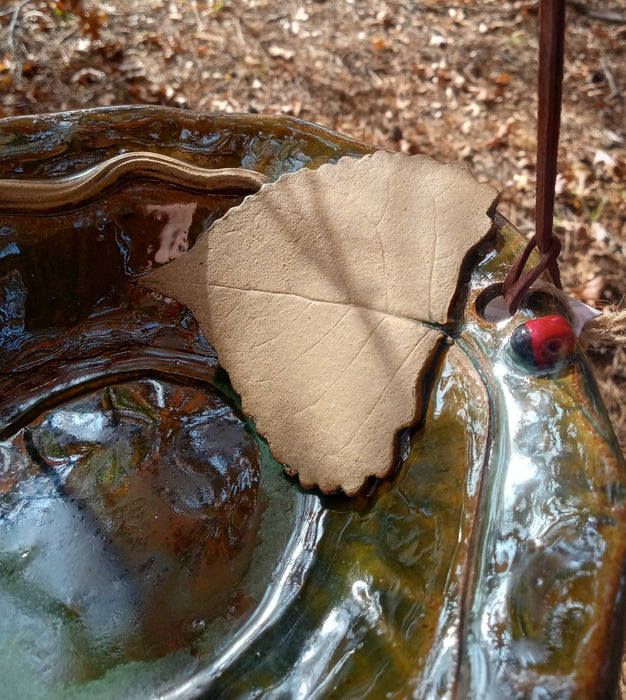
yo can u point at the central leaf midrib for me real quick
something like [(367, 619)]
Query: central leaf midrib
[(355, 305)]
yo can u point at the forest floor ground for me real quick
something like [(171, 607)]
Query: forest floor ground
[(453, 80)]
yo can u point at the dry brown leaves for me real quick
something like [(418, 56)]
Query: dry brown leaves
[(451, 80)]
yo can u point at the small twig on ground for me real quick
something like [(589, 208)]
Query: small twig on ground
[(16, 12), (610, 79), (239, 33), (583, 9), (196, 15)]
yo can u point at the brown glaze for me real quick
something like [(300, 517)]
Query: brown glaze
[(490, 566)]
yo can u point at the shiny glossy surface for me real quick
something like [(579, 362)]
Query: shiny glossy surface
[(119, 497), (544, 343), (489, 566), (545, 610)]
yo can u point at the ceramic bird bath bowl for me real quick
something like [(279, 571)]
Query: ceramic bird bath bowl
[(151, 546)]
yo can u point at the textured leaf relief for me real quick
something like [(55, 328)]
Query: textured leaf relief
[(318, 294)]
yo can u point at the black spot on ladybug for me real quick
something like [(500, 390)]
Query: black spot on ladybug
[(544, 342)]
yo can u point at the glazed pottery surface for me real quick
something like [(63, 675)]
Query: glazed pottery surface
[(149, 544)]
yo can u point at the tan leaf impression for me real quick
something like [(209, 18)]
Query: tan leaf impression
[(321, 295)]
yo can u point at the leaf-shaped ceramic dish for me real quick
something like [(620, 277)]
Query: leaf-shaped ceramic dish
[(325, 296), (150, 546)]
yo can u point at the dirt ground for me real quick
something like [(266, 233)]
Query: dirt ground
[(453, 80)]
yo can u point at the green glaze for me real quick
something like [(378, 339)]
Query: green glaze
[(490, 565)]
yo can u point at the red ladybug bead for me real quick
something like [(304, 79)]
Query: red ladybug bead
[(544, 342)]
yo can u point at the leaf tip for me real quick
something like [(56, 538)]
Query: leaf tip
[(178, 278)]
